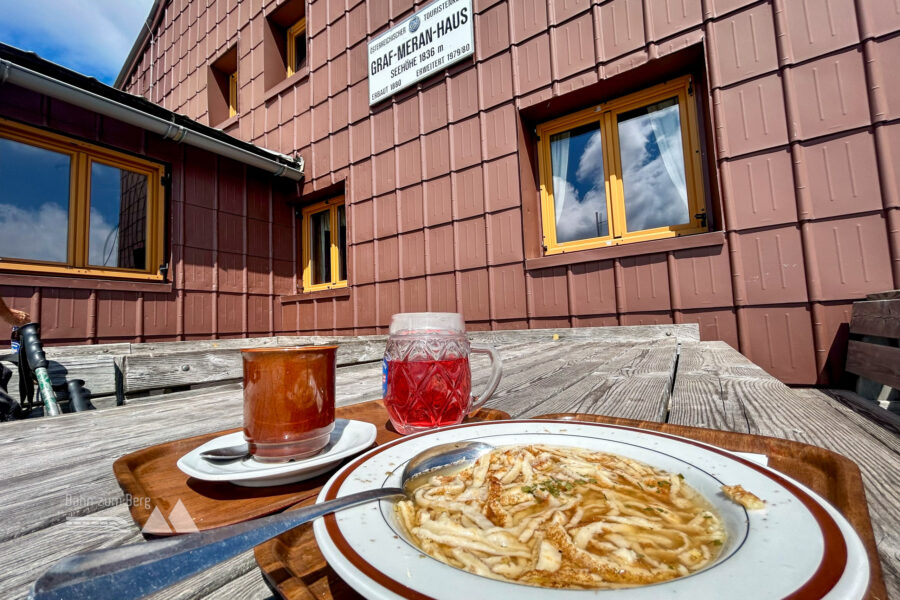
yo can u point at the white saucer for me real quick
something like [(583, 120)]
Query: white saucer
[(347, 439)]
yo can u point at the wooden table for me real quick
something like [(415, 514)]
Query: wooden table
[(58, 494)]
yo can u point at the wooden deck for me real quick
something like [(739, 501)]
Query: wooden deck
[(59, 495)]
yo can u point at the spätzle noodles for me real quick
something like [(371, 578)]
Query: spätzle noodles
[(564, 517)]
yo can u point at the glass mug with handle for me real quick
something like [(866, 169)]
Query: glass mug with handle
[(427, 380)]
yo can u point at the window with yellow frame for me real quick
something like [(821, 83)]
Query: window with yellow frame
[(626, 171), (296, 47), (324, 234), (69, 207)]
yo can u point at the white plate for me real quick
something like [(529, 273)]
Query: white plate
[(347, 439), (798, 544)]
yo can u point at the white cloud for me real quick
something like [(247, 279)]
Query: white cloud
[(89, 36), (104, 242), (42, 234), (39, 234), (652, 199), (590, 164), (578, 220)]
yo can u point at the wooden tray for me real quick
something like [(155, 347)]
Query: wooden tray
[(294, 566), (151, 480)]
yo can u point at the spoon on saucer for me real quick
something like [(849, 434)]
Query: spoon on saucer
[(228, 453), (137, 570)]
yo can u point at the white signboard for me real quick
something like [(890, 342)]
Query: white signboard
[(431, 40)]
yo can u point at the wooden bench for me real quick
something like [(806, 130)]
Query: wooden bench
[(120, 373), (873, 353), (93, 364), (178, 366), (125, 373)]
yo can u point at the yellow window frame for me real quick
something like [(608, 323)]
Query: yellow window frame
[(298, 28), (232, 95), (606, 115), (81, 156), (331, 206)]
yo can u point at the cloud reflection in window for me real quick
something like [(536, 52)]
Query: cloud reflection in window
[(650, 145), (34, 202), (39, 233), (579, 186)]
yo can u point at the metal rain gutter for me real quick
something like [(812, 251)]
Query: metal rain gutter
[(43, 84)]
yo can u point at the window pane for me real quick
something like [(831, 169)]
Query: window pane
[(118, 235), (34, 202), (299, 51), (653, 166), (579, 185), (342, 243), (320, 246)]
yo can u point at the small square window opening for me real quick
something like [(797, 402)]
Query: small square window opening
[(222, 88), (284, 45)]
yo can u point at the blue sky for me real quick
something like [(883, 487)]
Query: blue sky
[(89, 36)]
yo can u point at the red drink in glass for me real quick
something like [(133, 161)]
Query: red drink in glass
[(427, 382), (423, 394)]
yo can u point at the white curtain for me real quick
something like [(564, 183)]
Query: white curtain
[(667, 130), (559, 161)]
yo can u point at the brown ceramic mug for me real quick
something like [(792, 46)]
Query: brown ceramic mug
[(288, 401)]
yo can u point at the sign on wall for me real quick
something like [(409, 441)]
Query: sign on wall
[(431, 40)]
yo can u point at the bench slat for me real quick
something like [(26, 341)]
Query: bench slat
[(358, 349), (98, 372), (876, 317), (889, 295), (141, 372), (878, 363)]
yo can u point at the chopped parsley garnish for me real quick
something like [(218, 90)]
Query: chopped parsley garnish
[(555, 487)]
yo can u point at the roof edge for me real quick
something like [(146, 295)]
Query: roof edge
[(28, 70), (140, 44)]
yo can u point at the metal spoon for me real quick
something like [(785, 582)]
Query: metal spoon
[(229, 453), (137, 570)]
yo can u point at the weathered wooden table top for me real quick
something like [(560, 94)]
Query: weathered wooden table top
[(58, 494)]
